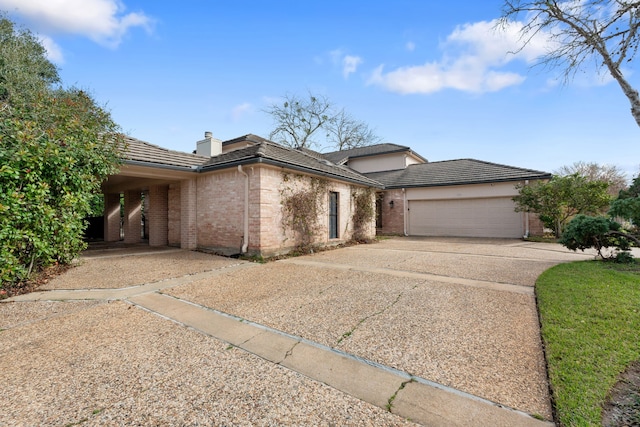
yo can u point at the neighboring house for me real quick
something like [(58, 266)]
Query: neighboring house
[(466, 197), (229, 196), (233, 197)]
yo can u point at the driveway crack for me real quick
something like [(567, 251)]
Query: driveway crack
[(377, 313), (289, 352)]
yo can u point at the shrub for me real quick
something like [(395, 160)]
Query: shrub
[(56, 147), (599, 232)]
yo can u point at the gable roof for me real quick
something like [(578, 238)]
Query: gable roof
[(268, 152), (341, 157), (454, 172)]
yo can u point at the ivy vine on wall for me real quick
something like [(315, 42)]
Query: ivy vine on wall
[(303, 204), (363, 213)]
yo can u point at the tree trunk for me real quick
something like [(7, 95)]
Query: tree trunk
[(629, 91), (634, 99)]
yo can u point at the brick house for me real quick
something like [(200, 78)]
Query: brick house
[(465, 197), (230, 197)]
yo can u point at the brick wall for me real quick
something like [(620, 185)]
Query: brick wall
[(272, 238), (266, 217), (188, 214), (536, 228), (220, 211), (216, 211), (392, 217), (157, 215), (173, 215)]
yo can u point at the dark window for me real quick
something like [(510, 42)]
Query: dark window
[(379, 200), (333, 215)]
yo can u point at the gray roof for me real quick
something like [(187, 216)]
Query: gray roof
[(267, 152), (341, 157), (454, 172), (451, 172), (262, 151), (142, 152)]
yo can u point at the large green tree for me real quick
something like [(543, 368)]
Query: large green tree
[(56, 147), (561, 198), (627, 205)]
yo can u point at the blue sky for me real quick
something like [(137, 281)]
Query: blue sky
[(427, 74)]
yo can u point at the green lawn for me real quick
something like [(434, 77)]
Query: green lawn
[(590, 317)]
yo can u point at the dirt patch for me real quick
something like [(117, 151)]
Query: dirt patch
[(39, 279), (623, 406), (132, 269)]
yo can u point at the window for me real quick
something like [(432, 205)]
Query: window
[(333, 215), (379, 200)]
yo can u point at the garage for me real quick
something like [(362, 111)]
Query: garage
[(476, 217)]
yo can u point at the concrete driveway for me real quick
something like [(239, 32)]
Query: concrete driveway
[(407, 330)]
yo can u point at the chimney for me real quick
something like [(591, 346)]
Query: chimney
[(209, 146)]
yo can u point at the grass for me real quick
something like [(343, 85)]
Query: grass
[(590, 318)]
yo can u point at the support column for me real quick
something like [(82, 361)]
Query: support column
[(188, 219), (158, 215), (112, 217), (132, 217)]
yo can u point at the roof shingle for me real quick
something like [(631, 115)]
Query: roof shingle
[(450, 172), (453, 172), (271, 153), (141, 151), (340, 157)]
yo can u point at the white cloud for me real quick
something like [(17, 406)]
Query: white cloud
[(103, 21), (473, 55), (350, 65), (54, 53), (347, 63), (336, 56), (410, 46), (241, 110)]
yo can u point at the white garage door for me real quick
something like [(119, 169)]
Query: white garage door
[(465, 218)]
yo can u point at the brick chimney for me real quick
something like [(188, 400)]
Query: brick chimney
[(209, 146)]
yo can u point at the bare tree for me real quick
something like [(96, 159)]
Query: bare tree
[(345, 132), (314, 122), (610, 174), (298, 119), (602, 30)]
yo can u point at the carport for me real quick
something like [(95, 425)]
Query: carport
[(160, 178)]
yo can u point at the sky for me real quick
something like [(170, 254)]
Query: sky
[(435, 76)]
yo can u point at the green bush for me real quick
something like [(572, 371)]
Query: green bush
[(363, 212), (561, 198), (56, 147), (599, 232), (627, 208)]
